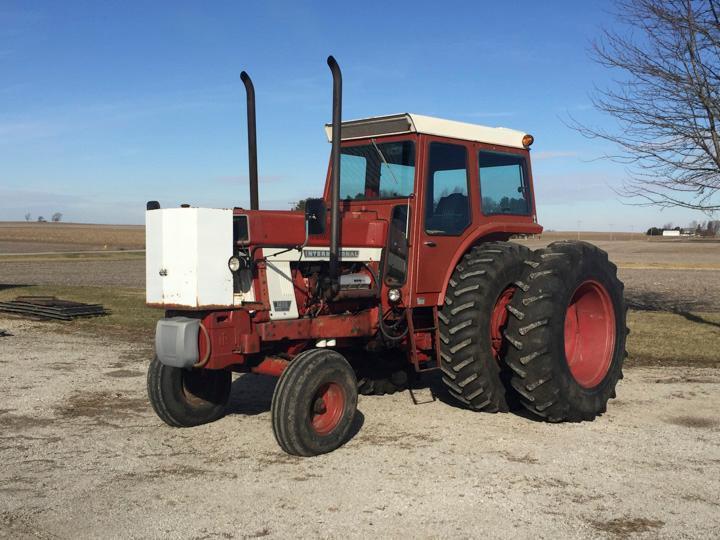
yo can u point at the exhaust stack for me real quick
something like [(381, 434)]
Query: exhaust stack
[(335, 178), (252, 140)]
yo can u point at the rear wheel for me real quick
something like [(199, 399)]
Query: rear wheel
[(314, 403), (187, 397), (567, 330), (472, 322)]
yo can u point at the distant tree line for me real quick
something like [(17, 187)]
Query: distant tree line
[(56, 218), (697, 228)]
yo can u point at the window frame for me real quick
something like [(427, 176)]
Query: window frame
[(379, 141), (525, 182), (426, 184)]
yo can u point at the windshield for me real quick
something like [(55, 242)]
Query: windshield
[(377, 170)]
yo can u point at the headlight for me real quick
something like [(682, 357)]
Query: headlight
[(394, 296), (234, 264)]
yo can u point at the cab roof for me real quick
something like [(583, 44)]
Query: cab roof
[(397, 124)]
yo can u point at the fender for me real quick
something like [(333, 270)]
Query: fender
[(479, 234)]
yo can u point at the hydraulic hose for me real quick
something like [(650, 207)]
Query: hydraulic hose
[(205, 358)]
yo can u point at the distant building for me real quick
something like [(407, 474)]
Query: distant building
[(671, 232)]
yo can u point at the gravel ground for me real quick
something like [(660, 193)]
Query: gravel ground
[(82, 273), (84, 457)]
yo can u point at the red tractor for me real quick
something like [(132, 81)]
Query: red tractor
[(404, 265)]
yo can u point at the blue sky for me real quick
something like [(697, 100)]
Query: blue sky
[(104, 105)]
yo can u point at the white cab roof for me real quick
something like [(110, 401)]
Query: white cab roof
[(396, 124)]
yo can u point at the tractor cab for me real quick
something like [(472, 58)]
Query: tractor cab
[(441, 185)]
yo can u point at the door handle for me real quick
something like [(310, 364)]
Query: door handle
[(429, 243)]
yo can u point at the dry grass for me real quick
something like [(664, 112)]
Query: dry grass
[(130, 316), (679, 339)]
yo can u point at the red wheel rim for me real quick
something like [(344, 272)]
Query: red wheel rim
[(498, 320), (589, 334), (327, 407)]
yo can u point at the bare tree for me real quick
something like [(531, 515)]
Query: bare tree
[(56, 217), (666, 57), (28, 216)]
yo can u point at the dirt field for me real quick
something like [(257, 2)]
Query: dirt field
[(21, 237), (85, 457)]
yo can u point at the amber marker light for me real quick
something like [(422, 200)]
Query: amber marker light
[(527, 140)]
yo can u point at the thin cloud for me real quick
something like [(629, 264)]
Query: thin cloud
[(553, 154), (13, 132)]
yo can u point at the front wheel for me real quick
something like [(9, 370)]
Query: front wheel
[(567, 333), (187, 397), (314, 403)]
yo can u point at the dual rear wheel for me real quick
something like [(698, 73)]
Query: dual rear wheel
[(544, 329)]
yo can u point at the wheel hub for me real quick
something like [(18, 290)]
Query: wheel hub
[(589, 333), (328, 406), (319, 406), (499, 319)]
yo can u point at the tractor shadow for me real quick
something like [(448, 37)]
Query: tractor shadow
[(251, 394), (432, 381), (7, 286), (687, 308)]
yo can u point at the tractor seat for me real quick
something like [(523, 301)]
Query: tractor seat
[(450, 215)]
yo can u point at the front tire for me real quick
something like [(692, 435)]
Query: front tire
[(314, 403), (472, 321), (187, 397), (567, 331)]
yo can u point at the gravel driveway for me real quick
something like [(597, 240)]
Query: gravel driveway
[(84, 457)]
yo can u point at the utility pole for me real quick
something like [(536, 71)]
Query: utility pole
[(578, 229)]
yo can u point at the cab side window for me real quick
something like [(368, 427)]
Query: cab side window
[(447, 206), (503, 183)]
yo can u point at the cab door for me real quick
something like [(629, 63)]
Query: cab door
[(446, 208)]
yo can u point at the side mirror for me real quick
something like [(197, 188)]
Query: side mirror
[(315, 215)]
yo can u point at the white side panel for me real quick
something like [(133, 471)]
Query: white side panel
[(280, 288), (179, 256), (153, 256), (214, 248), (187, 254)]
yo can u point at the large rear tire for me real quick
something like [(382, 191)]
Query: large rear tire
[(567, 331), (187, 397), (314, 403), (472, 321)]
